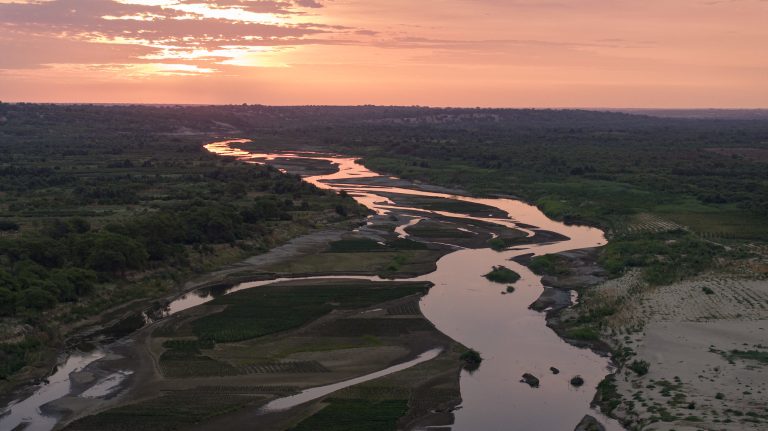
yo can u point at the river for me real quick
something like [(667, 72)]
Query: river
[(512, 339), (465, 306)]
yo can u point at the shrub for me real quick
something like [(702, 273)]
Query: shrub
[(471, 357), (577, 381), (584, 333), (640, 367), (547, 264), (497, 244), (36, 298)]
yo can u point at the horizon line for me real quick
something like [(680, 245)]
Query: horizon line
[(580, 108)]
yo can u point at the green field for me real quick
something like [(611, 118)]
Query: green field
[(260, 311), (230, 337)]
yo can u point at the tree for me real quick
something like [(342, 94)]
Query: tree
[(7, 300), (73, 283), (37, 299), (116, 253)]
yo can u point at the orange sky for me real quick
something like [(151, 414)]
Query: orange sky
[(515, 53)]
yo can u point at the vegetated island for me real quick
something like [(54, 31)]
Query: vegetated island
[(502, 274)]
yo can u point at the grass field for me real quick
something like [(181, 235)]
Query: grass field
[(266, 310), (175, 411), (261, 311), (355, 415)]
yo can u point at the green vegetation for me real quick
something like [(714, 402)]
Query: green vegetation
[(471, 359), (760, 356), (432, 229), (583, 333), (637, 177), (608, 397), (548, 264), (256, 312), (229, 340), (664, 257), (411, 259), (502, 274), (102, 206), (497, 244), (356, 415)]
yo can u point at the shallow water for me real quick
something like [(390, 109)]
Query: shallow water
[(107, 385), (286, 403), (28, 410)]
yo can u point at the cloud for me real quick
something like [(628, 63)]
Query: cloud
[(133, 31), (309, 3)]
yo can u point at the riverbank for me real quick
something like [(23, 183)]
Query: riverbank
[(148, 382), (690, 355), (694, 352)]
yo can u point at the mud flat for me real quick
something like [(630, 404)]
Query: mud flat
[(177, 373)]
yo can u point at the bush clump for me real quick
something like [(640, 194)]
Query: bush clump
[(577, 381), (640, 367), (502, 274), (471, 359)]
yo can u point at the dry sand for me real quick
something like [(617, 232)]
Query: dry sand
[(686, 331)]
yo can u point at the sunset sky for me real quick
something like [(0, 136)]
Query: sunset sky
[(515, 53)]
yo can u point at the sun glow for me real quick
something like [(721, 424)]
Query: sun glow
[(483, 52), (136, 17), (206, 11), (202, 11), (151, 69)]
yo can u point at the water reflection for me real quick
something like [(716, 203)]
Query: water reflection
[(512, 339)]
